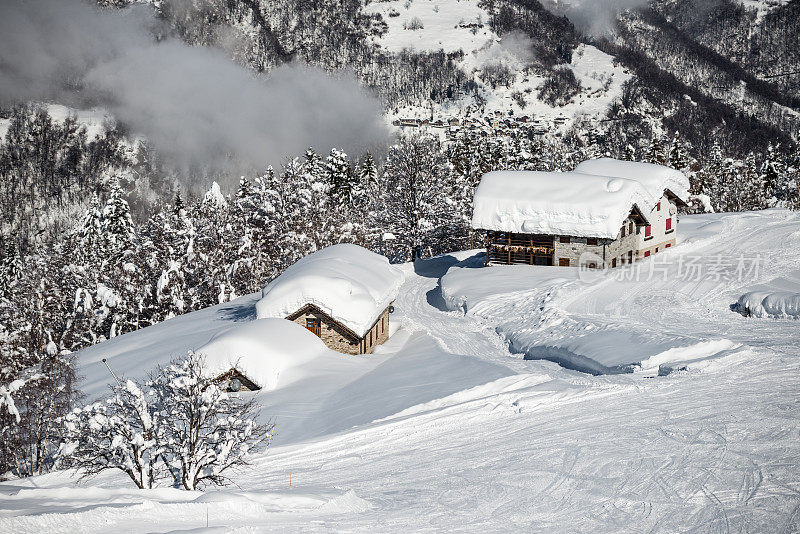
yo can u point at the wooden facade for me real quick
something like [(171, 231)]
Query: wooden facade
[(509, 248)]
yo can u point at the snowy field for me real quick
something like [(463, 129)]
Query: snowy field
[(449, 426), (93, 119)]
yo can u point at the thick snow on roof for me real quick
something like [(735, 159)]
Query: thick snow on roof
[(655, 178), (264, 350), (561, 203), (348, 282)]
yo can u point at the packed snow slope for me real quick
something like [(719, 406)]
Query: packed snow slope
[(445, 428)]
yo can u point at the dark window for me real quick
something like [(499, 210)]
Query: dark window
[(613, 262), (563, 262), (631, 228), (564, 239), (591, 240), (623, 230)]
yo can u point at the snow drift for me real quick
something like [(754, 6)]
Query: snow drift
[(654, 178), (778, 304), (264, 350), (348, 282)]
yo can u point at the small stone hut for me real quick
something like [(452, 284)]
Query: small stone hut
[(343, 294)]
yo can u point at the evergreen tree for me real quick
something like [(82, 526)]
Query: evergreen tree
[(678, 157), (772, 175), (339, 176), (177, 205), (656, 153), (245, 188), (91, 232), (10, 267), (117, 224), (368, 173)]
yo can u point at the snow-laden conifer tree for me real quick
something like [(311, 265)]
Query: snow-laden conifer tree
[(117, 224), (772, 174), (91, 232), (339, 176)]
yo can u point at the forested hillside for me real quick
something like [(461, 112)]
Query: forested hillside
[(104, 233)]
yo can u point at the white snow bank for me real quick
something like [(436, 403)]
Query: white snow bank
[(348, 282), (267, 351), (779, 304), (685, 357), (561, 203), (654, 178)]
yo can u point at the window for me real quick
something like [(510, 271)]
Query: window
[(658, 206), (613, 263), (591, 240), (631, 228), (623, 230), (656, 249), (668, 245), (669, 224), (315, 325), (646, 253), (648, 231), (630, 256), (564, 239), (563, 262)]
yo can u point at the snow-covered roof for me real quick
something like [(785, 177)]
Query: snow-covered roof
[(560, 203), (593, 200), (348, 282), (655, 178), (263, 350)]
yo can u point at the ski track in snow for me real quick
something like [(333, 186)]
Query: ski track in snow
[(712, 449)]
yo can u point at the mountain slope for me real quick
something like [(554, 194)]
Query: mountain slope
[(488, 440)]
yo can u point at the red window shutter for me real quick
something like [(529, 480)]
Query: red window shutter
[(647, 253), (668, 245), (658, 206), (647, 230), (669, 223)]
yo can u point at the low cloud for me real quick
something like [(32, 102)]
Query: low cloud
[(593, 17), (194, 104), (513, 50)]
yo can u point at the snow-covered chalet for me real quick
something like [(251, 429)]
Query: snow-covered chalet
[(620, 211), (343, 294)]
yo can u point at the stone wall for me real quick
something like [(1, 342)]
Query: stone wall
[(342, 340), (605, 248)]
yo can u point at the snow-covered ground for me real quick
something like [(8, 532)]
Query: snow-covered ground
[(448, 25), (92, 119), (444, 428)]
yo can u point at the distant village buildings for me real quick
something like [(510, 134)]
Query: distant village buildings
[(619, 211)]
